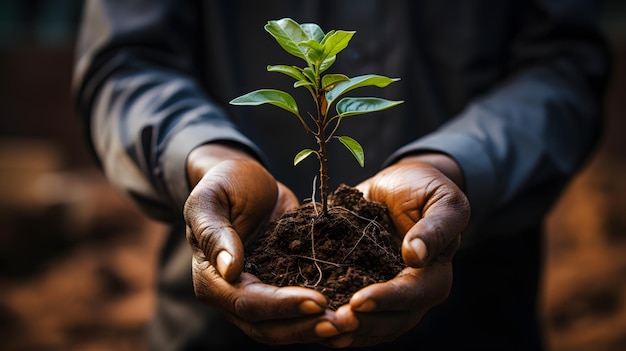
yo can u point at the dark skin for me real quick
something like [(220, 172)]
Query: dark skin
[(233, 195)]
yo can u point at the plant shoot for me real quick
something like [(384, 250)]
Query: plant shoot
[(319, 51)]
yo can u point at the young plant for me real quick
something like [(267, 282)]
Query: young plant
[(319, 50)]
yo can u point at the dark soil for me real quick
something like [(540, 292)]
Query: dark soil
[(352, 246)]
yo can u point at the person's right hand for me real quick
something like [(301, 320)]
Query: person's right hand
[(232, 196), (424, 196)]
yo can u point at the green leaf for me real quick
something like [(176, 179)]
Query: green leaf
[(288, 34), (336, 42), (302, 155), (268, 96), (328, 35), (313, 50), (355, 148), (313, 31), (309, 74), (357, 82), (303, 83), (327, 63), (357, 106), (330, 80), (292, 71)]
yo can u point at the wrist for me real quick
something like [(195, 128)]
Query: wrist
[(442, 162), (201, 159)]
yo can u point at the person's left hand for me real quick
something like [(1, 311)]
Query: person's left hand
[(430, 211)]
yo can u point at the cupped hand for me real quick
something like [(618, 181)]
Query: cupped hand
[(430, 211), (233, 195)]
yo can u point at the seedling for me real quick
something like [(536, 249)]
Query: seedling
[(319, 50)]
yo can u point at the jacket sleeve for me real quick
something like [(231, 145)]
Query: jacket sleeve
[(135, 88), (518, 143)]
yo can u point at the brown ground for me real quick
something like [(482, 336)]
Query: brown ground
[(584, 285), (585, 280), (77, 266)]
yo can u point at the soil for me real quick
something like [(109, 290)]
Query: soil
[(351, 246)]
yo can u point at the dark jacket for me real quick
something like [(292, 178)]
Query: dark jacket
[(512, 90)]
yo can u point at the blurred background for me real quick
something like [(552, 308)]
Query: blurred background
[(77, 261)]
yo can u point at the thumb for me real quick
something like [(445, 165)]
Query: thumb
[(230, 201), (213, 238), (219, 247), (442, 224)]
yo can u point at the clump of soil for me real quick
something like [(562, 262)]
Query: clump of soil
[(352, 246)]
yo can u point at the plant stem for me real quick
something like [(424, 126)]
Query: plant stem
[(323, 174), (321, 141)]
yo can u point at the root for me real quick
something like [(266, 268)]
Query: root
[(313, 251), (313, 197), (355, 214), (363, 235), (284, 276), (372, 238), (317, 260)]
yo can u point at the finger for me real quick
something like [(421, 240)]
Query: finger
[(371, 328), (339, 342), (219, 245), (346, 322), (413, 288), (260, 301), (253, 301), (306, 330), (442, 222), (382, 327), (400, 293), (266, 313), (387, 310), (286, 202), (364, 188), (450, 251)]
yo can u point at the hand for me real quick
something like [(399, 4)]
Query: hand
[(233, 195), (431, 211)]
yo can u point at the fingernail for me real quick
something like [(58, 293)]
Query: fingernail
[(419, 248), (342, 341), (224, 260), (310, 307), (326, 329)]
